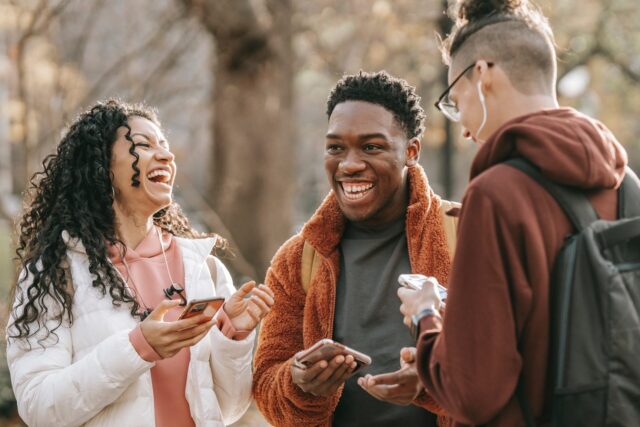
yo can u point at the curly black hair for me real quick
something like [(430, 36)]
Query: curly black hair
[(73, 192), (392, 93)]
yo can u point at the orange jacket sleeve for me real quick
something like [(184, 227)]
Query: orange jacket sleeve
[(281, 336)]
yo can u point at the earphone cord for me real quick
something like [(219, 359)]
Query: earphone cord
[(166, 263), (126, 282), (130, 277)]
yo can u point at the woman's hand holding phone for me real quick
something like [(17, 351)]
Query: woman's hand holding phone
[(324, 377), (246, 313), (168, 338)]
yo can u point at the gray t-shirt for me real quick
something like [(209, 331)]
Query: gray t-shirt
[(367, 319)]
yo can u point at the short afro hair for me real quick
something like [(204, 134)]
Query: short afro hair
[(381, 88)]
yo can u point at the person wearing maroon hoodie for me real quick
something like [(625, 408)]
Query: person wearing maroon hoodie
[(502, 74)]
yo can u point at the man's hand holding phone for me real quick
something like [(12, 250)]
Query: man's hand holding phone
[(168, 338), (323, 378), (322, 368)]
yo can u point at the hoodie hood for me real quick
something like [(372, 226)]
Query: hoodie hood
[(568, 147), (150, 247)]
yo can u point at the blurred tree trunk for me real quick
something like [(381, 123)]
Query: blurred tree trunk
[(24, 149), (252, 177), (6, 180)]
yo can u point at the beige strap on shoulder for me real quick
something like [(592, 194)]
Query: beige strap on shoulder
[(213, 269), (450, 224), (310, 264), (66, 265)]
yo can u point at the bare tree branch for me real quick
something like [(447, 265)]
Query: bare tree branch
[(205, 212), (111, 73), (53, 13), (170, 60), (598, 48), (360, 45), (226, 19), (176, 93), (30, 29), (85, 34), (329, 57), (629, 73), (39, 20), (596, 45), (238, 32), (577, 61)]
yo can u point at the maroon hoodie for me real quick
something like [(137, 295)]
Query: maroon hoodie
[(509, 234)]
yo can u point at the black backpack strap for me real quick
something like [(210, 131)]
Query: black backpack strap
[(629, 196), (624, 230), (581, 213), (573, 202)]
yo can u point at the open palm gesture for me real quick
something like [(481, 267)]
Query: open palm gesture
[(248, 305)]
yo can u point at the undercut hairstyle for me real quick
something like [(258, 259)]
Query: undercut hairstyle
[(394, 94), (73, 192), (513, 34)]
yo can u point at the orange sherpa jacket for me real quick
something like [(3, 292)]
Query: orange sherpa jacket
[(297, 320)]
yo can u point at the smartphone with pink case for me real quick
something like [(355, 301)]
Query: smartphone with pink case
[(327, 349)]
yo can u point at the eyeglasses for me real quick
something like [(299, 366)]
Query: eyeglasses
[(446, 105)]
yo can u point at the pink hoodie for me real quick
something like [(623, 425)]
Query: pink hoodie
[(149, 278)]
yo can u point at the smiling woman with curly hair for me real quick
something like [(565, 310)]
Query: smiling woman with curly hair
[(96, 335)]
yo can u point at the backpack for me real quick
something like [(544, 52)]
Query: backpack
[(311, 261), (594, 359)]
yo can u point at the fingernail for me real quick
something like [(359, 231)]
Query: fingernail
[(323, 364)]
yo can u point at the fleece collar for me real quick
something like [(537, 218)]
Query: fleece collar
[(325, 228)]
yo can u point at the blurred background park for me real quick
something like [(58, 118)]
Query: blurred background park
[(240, 87)]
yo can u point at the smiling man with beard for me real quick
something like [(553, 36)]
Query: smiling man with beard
[(381, 219)]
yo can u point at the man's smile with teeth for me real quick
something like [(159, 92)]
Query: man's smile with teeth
[(356, 190)]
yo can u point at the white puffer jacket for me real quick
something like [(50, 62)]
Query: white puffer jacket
[(90, 374)]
